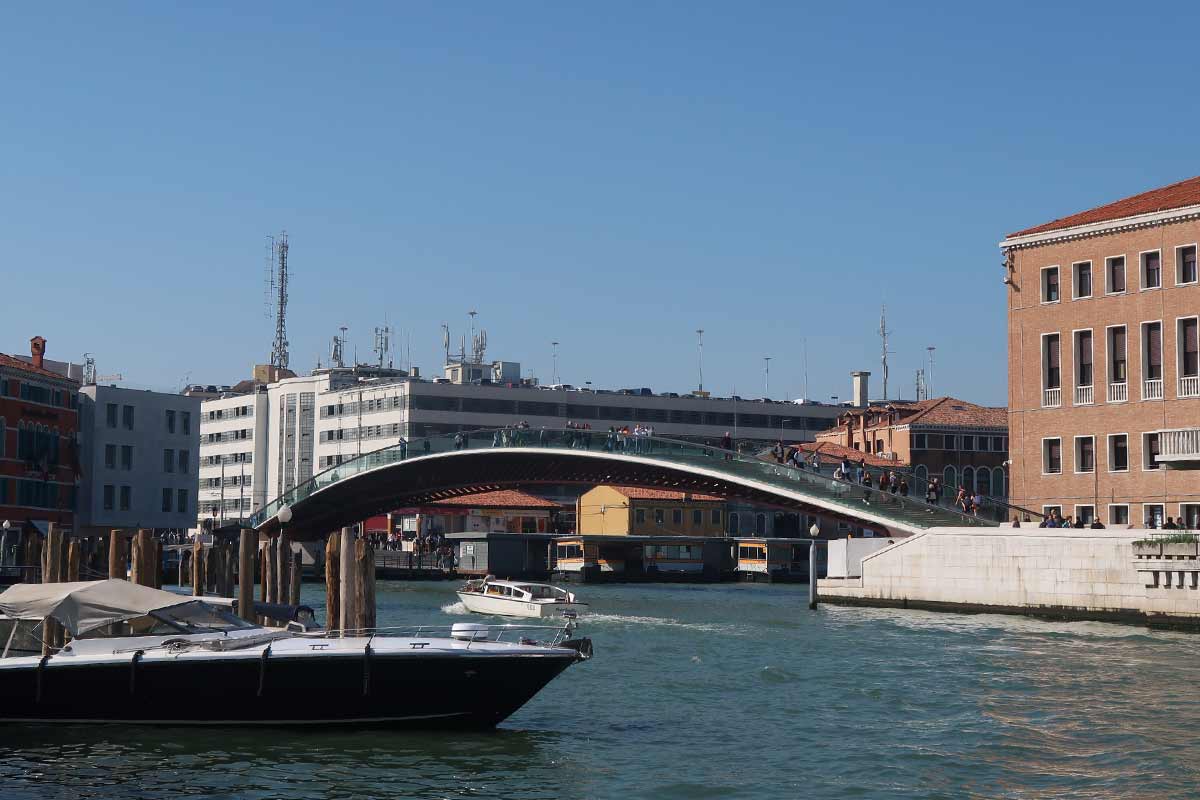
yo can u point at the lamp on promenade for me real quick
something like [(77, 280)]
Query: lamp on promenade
[(4, 539)]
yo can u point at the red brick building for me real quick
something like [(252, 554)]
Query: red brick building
[(39, 420), (962, 443), (1104, 384)]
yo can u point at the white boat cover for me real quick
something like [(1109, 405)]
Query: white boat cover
[(84, 605)]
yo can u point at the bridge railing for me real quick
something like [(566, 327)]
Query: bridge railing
[(852, 498)]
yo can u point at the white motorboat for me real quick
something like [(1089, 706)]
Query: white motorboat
[(518, 599), (134, 649)]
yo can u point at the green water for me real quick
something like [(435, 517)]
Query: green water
[(717, 691)]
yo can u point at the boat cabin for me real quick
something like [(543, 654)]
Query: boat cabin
[(767, 559), (590, 558)]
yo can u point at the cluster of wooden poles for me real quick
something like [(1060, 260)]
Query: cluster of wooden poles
[(137, 556)]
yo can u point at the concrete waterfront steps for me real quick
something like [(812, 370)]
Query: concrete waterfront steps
[(1065, 573)]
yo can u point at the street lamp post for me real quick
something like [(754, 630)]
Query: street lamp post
[(4, 540)]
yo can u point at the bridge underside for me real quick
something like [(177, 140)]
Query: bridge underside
[(423, 480)]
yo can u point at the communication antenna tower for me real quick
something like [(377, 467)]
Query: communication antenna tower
[(929, 381), (922, 389), (279, 287), (479, 346), (446, 341), (883, 337), (89, 370), (700, 348), (337, 353), (383, 344)]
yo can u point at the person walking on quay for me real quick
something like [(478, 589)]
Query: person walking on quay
[(610, 442), (884, 482), (496, 438), (932, 493), (727, 444), (458, 441), (403, 448), (977, 502), (860, 470), (815, 463), (894, 482), (961, 500), (867, 479), (903, 486), (777, 452)]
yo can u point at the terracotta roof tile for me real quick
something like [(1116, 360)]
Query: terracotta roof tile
[(25, 366), (639, 493), (835, 450), (1177, 195), (505, 498), (954, 412)]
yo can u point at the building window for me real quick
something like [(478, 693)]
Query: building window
[(1151, 270), (922, 474), (998, 489), (166, 500), (1114, 270), (185, 461), (639, 516), (983, 481), (109, 494), (1083, 359), (1048, 510), (168, 460), (950, 442), (127, 417), (1083, 279), (1152, 361), (1189, 366), (170, 421), (920, 441), (1150, 451), (1185, 264), (968, 442), (1117, 368), (697, 518), (1051, 456), (715, 517), (1050, 285), (949, 477), (181, 498), (1051, 371), (1152, 513), (126, 457), (659, 517), (110, 456), (1085, 454), (110, 410), (760, 524), (1118, 452), (185, 420), (968, 479), (1118, 514), (1085, 514), (677, 516), (126, 497)]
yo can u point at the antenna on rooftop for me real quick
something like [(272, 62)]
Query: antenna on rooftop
[(929, 379), (383, 344), (277, 271), (883, 336), (446, 341), (89, 369), (554, 357)]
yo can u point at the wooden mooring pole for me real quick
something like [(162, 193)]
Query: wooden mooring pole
[(332, 582), (52, 573), (295, 573), (198, 566), (346, 589), (116, 555), (364, 602), (246, 574), (272, 556), (73, 560)]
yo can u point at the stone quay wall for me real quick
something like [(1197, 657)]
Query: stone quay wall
[(1061, 573)]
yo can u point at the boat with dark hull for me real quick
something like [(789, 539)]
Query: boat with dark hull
[(144, 656)]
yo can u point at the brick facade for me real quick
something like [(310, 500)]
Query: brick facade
[(1134, 407)]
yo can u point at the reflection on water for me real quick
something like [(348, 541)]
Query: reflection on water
[(715, 691)]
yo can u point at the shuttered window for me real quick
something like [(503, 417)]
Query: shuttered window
[(1153, 351), (1083, 353), (1187, 333), (1053, 376), (1117, 373)]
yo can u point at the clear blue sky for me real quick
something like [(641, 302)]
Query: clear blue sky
[(610, 176)]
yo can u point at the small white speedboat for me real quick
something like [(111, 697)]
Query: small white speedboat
[(518, 598)]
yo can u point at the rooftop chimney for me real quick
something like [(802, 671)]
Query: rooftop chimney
[(37, 349), (860, 391)]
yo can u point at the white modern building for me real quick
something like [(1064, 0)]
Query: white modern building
[(139, 453), (233, 454)]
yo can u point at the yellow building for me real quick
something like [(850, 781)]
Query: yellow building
[(629, 510)]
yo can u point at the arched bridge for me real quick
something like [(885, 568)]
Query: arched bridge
[(439, 467)]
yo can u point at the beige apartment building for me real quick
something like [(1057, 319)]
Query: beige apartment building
[(1104, 385)]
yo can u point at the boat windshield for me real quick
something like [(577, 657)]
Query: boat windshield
[(200, 617), (543, 592)]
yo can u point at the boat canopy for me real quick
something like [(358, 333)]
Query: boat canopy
[(85, 605)]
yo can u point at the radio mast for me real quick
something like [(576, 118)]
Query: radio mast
[(279, 285)]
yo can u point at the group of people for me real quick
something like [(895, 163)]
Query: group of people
[(1054, 520)]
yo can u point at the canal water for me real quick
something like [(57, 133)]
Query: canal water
[(714, 692)]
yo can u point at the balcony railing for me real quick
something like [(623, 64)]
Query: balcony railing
[(1084, 395), (1051, 398), (1189, 386), (1179, 444), (1118, 392), (1152, 389)]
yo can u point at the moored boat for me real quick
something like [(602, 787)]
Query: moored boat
[(140, 655), (519, 599)]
